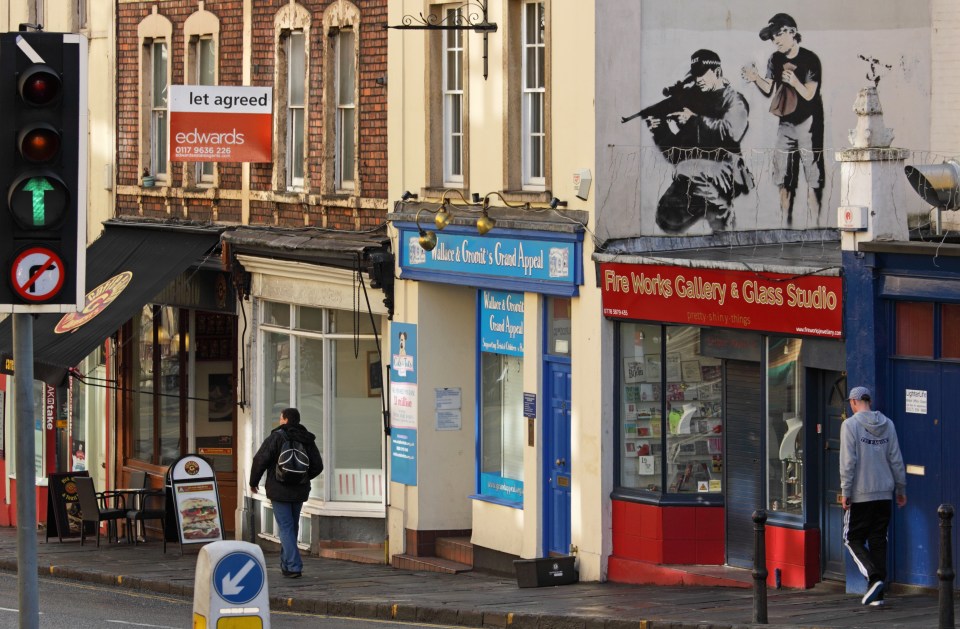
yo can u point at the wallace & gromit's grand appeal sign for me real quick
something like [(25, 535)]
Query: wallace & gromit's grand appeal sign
[(807, 305)]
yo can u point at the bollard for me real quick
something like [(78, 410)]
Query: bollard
[(945, 572), (759, 568)]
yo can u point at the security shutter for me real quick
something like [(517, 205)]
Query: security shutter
[(744, 458)]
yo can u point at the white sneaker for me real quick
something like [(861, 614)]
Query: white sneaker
[(878, 603), (874, 592)]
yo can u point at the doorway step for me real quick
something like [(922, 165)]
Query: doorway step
[(621, 570), (450, 556), (356, 552)]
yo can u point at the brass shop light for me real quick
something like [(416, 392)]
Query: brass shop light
[(444, 213)]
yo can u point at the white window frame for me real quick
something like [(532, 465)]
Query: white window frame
[(453, 94), (533, 99), (296, 112), (345, 123), (159, 119), (204, 172)]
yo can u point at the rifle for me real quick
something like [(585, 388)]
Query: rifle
[(679, 95)]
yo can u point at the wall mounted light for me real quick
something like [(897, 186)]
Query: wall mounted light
[(428, 237), (485, 223), (444, 213)]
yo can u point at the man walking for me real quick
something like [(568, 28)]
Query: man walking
[(871, 469), (793, 81), (285, 446)]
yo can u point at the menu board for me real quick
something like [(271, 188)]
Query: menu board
[(196, 500), (63, 506)]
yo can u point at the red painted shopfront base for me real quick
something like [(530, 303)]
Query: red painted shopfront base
[(661, 546)]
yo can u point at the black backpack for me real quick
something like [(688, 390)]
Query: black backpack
[(293, 464)]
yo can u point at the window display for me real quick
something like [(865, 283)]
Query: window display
[(785, 426), (672, 417)]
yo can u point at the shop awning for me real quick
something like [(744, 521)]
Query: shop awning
[(126, 267)]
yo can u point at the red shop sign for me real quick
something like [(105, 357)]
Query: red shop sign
[(809, 305)]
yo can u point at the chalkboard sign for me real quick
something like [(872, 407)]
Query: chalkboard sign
[(63, 507)]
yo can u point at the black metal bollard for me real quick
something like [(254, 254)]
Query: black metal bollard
[(759, 568), (945, 572)]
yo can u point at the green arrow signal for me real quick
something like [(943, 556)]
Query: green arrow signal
[(38, 186)]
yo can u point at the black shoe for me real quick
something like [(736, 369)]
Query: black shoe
[(290, 575)]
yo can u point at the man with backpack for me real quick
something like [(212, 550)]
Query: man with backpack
[(290, 458)]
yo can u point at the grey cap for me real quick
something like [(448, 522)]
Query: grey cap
[(859, 393)]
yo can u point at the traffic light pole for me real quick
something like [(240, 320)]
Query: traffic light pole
[(28, 580)]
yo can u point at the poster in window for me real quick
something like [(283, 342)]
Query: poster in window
[(646, 465), (653, 368), (374, 374), (634, 370), (220, 397), (710, 373), (673, 367), (690, 370)]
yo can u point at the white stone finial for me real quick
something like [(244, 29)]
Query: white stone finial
[(870, 132)]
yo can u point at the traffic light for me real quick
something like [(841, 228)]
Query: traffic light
[(43, 140)]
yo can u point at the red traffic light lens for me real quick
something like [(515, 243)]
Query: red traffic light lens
[(39, 85), (39, 143)]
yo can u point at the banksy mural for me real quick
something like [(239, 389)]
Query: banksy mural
[(729, 117), (698, 128)]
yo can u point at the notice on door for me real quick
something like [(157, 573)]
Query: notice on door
[(916, 401)]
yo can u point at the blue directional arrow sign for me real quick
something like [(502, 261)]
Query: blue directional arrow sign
[(238, 578)]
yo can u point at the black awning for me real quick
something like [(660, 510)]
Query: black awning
[(126, 267)]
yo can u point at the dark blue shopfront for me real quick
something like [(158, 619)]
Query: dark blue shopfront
[(903, 321)]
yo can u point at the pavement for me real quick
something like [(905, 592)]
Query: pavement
[(472, 599)]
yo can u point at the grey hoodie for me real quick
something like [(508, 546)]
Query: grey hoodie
[(871, 466)]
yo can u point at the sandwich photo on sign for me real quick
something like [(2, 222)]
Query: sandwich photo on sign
[(199, 519)]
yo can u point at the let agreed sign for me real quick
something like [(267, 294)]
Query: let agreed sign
[(214, 123)]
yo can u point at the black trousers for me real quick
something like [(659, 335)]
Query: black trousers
[(865, 536)]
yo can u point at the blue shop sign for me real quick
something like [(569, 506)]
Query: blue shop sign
[(550, 266), (501, 322)]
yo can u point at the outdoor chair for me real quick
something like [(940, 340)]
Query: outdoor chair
[(149, 505), (94, 508)]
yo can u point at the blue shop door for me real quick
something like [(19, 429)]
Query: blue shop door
[(833, 412), (556, 458), (925, 439)]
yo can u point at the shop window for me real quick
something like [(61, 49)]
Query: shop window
[(155, 424), (785, 418), (950, 331), (182, 366), (317, 360), (502, 425), (558, 326), (671, 428), (914, 329)]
